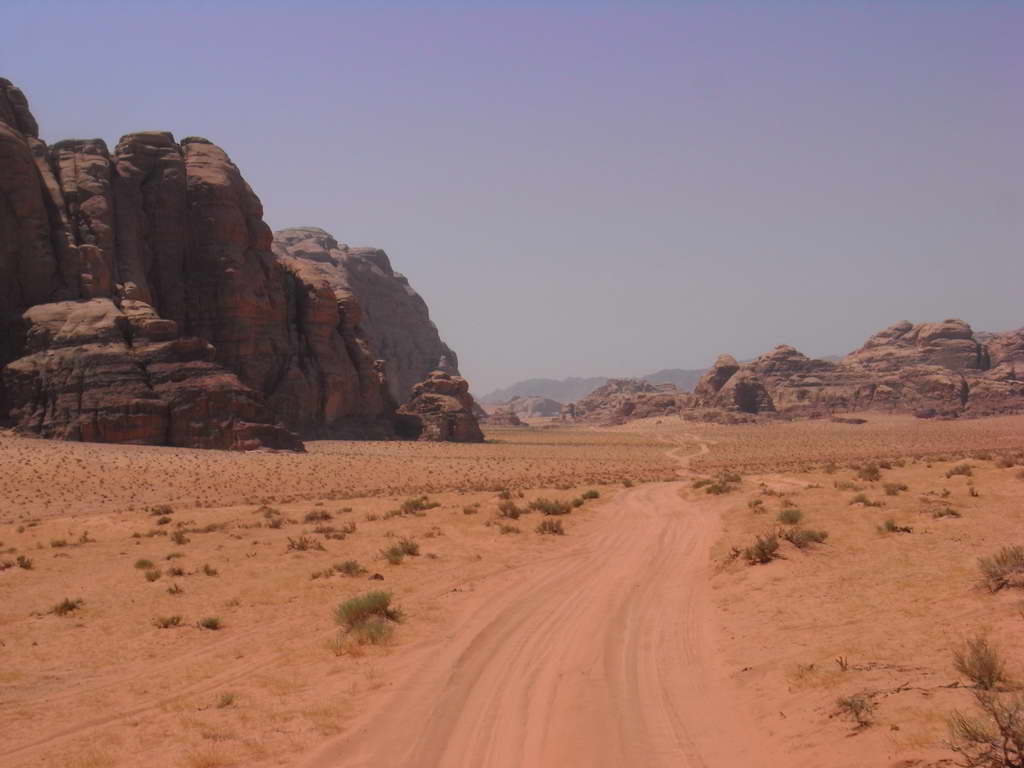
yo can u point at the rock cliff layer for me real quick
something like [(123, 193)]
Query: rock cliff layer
[(140, 301)]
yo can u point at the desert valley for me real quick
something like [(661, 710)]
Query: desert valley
[(251, 513)]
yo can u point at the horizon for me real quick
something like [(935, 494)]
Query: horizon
[(578, 189)]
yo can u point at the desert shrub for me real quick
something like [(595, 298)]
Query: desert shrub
[(591, 494), (980, 662), (790, 516), (846, 485), (862, 498), (509, 509), (179, 538), (304, 544), (801, 538), (755, 505), (176, 571), (549, 507), (163, 520), (24, 562), (350, 568), (505, 494), (175, 589), (893, 489), (374, 631), (409, 546), (143, 564), (701, 482), (1006, 461), (996, 740), (869, 472), (394, 555), (1003, 569), (58, 543), (317, 516), (417, 504), (471, 509), (358, 610), (627, 483), (945, 511), (890, 526), (167, 622), (153, 574), (960, 469), (858, 708), (225, 700), (763, 550), (210, 622), (505, 528), (550, 527), (209, 570), (66, 606)]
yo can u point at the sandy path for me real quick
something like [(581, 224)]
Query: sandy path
[(604, 656)]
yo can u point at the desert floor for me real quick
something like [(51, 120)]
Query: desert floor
[(640, 637)]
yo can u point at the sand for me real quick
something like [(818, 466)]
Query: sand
[(635, 639)]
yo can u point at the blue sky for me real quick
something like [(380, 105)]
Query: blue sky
[(595, 188)]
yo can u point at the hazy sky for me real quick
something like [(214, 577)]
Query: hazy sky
[(594, 188)]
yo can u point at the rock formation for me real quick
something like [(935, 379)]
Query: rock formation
[(140, 301), (533, 407), (394, 319), (622, 400), (441, 409)]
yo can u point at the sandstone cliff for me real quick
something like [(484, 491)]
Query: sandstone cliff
[(140, 301), (394, 318)]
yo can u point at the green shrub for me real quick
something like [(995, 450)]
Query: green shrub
[(304, 544), (591, 494), (358, 610), (1003, 569), (763, 550), (179, 538), (790, 516), (418, 504), (960, 469), (509, 509), (225, 700), (550, 527), (472, 509), (801, 538), (210, 622), (394, 555), (980, 662), (550, 507), (893, 489), (350, 568), (153, 574), (755, 505), (869, 472), (143, 564)]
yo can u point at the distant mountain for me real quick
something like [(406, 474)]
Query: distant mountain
[(562, 390), (575, 388)]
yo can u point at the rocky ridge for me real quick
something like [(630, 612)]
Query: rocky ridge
[(929, 369), (141, 301)]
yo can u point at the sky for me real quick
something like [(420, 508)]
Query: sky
[(594, 188)]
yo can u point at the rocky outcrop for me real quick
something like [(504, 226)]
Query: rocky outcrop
[(141, 301), (442, 410), (394, 318), (622, 400), (533, 407), (503, 416), (950, 344)]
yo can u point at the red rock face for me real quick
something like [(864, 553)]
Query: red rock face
[(441, 410), (622, 400), (140, 302)]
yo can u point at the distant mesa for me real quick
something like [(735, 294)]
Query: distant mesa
[(143, 299), (940, 370), (573, 388)]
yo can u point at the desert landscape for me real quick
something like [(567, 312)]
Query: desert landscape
[(707, 450), (196, 624)]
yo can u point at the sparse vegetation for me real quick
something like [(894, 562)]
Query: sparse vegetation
[(179, 538), (350, 568), (870, 472), (66, 606), (893, 489), (153, 574), (225, 700), (304, 544), (550, 527), (960, 469), (471, 509), (763, 550), (24, 562), (890, 526), (790, 516), (858, 708), (590, 494), (359, 610), (212, 623), (143, 564), (1003, 569), (980, 662), (319, 515), (550, 507), (504, 528), (509, 509), (167, 622), (417, 505), (862, 498), (209, 570), (801, 538)]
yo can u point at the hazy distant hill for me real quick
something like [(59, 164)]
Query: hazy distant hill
[(572, 389)]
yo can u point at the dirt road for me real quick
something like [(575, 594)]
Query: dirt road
[(603, 655)]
